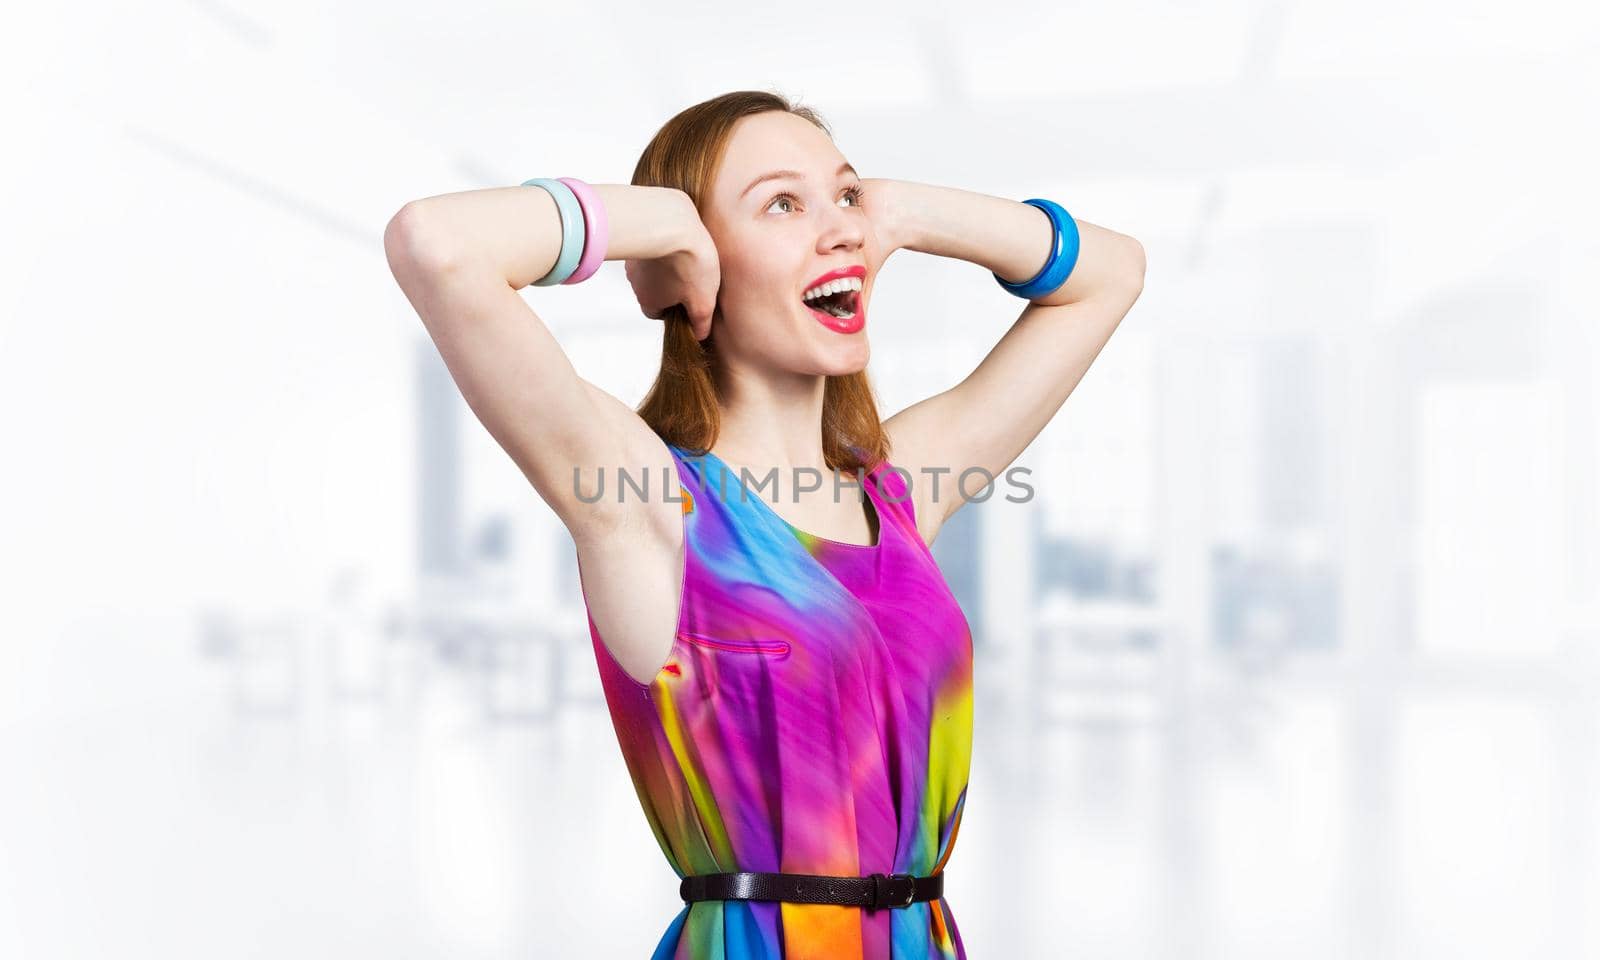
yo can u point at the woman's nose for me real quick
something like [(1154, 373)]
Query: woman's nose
[(843, 230)]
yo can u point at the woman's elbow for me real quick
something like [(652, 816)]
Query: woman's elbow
[(415, 247), (1133, 264)]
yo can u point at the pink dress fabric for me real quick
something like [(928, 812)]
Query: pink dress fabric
[(814, 716)]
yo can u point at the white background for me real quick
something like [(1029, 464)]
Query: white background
[(1292, 655)]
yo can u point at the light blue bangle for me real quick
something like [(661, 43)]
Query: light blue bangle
[(571, 230), (1063, 256)]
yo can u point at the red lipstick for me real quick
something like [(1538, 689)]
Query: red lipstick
[(857, 319), (860, 273)]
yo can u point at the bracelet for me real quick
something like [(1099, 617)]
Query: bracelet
[(1063, 254), (596, 238), (571, 229)]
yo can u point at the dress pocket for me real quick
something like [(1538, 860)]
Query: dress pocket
[(764, 646)]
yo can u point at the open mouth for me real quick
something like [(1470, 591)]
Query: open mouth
[(839, 305)]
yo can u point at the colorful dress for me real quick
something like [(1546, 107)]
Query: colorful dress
[(814, 716)]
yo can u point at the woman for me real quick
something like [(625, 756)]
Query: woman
[(789, 678)]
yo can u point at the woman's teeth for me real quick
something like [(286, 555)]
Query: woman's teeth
[(836, 298), (833, 286)]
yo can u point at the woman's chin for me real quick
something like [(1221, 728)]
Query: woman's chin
[(833, 359), (843, 359), (821, 351)]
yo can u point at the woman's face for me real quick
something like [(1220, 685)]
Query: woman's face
[(776, 238)]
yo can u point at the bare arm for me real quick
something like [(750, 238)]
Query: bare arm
[(989, 418), (461, 259)]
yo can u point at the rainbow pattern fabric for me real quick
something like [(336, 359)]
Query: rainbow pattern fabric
[(814, 716)]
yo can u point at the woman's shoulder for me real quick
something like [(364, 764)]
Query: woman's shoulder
[(893, 487)]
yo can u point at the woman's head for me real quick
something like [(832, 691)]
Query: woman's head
[(774, 237)]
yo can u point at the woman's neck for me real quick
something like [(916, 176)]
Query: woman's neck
[(767, 424)]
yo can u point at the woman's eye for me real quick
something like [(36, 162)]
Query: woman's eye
[(853, 195)]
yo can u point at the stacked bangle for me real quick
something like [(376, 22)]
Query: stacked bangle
[(1063, 254), (584, 231)]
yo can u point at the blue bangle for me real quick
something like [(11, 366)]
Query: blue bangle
[(1063, 255), (572, 235)]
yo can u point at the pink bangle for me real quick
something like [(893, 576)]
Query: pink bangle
[(595, 235)]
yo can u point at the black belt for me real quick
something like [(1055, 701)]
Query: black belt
[(874, 892)]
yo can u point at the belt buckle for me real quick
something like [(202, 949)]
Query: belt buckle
[(886, 888)]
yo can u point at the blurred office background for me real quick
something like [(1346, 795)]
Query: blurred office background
[(1291, 655)]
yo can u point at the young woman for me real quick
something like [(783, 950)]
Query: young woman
[(789, 678)]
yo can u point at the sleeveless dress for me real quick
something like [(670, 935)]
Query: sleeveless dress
[(814, 716)]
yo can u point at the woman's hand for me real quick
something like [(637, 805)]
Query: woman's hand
[(881, 201), (689, 278)]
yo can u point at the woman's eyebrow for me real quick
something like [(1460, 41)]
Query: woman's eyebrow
[(789, 175)]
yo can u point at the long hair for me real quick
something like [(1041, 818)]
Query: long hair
[(681, 406)]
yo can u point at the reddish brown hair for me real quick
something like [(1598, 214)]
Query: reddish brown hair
[(681, 406)]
